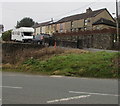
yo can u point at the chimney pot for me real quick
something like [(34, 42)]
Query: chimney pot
[(88, 10)]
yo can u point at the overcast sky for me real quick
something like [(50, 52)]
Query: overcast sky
[(12, 11)]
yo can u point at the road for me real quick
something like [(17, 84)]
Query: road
[(21, 88)]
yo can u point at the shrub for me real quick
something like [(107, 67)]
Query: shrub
[(6, 36)]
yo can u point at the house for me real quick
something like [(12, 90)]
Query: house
[(42, 28), (83, 21), (90, 20), (51, 28), (1, 28)]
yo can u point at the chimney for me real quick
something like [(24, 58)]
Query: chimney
[(51, 19), (88, 10)]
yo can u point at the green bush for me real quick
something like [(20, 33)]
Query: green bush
[(6, 36)]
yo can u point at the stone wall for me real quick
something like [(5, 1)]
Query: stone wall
[(12, 51), (97, 40)]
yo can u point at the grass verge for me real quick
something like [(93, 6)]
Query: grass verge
[(87, 64)]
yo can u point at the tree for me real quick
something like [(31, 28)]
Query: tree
[(25, 22), (6, 36)]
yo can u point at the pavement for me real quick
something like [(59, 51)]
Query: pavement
[(19, 88), (96, 50), (88, 49)]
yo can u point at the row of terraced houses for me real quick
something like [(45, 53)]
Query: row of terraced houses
[(90, 20)]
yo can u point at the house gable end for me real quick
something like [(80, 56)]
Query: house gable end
[(110, 16)]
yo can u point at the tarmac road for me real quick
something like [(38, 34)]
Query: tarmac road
[(20, 88)]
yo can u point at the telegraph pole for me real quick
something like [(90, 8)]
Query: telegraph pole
[(117, 24)]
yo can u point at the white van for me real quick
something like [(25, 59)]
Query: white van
[(22, 34)]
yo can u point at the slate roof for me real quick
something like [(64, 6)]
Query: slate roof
[(81, 16), (105, 22), (42, 24)]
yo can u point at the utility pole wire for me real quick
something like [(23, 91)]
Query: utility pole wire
[(28, 11), (76, 9), (73, 10)]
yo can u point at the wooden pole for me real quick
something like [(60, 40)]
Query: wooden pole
[(117, 24)]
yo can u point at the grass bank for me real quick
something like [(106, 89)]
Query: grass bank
[(80, 64)]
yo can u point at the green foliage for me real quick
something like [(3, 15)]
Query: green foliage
[(31, 61), (25, 22), (6, 36), (99, 64)]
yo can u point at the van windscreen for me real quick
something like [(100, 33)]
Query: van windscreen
[(27, 33)]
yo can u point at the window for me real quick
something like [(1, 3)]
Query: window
[(74, 30), (27, 33), (71, 24), (79, 29), (85, 28), (86, 22), (61, 30), (97, 27), (61, 27)]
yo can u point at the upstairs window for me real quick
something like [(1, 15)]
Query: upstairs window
[(61, 27), (85, 22), (71, 24)]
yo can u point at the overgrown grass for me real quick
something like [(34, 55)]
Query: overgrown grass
[(99, 65)]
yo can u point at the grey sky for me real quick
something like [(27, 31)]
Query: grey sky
[(44, 11)]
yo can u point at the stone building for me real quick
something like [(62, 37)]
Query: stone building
[(90, 20), (84, 21)]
